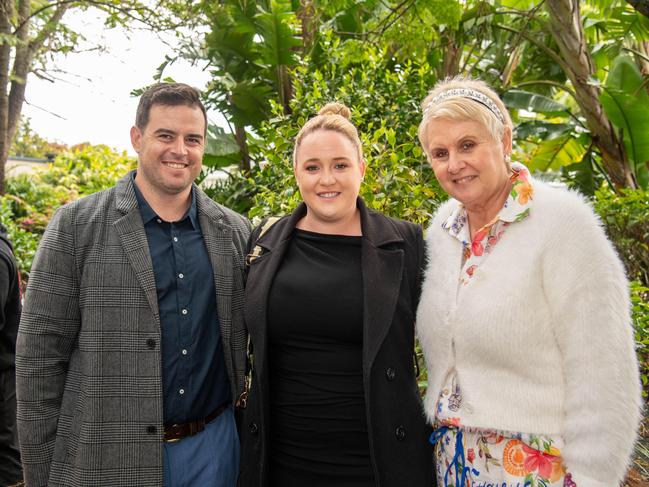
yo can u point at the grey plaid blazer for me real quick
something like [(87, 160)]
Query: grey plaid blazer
[(88, 364)]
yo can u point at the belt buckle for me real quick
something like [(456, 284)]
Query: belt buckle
[(173, 440)]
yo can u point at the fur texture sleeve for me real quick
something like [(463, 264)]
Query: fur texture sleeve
[(586, 287)]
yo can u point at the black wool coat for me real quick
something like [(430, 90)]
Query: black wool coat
[(392, 259)]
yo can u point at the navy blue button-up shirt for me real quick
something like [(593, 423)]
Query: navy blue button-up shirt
[(195, 381)]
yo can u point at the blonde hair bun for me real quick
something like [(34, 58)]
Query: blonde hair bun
[(336, 108)]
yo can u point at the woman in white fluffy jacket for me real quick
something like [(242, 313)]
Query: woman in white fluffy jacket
[(524, 317)]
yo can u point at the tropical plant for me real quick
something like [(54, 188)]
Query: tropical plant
[(556, 62), (384, 102)]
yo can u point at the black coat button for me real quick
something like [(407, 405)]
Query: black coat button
[(390, 373), (150, 343), (400, 432), (151, 429), (254, 429)]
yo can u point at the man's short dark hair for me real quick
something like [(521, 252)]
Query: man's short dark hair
[(169, 94)]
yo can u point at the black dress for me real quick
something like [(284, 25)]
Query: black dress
[(318, 422)]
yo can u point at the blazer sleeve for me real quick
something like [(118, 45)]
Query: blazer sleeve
[(586, 287), (46, 338)]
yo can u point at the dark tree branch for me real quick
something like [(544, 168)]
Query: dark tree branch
[(641, 6)]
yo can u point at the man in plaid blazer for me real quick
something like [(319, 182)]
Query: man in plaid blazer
[(131, 347)]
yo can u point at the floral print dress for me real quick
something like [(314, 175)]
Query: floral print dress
[(480, 457)]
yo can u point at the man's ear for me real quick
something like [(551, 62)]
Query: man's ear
[(136, 138)]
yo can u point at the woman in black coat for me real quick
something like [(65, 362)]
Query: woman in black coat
[(330, 304)]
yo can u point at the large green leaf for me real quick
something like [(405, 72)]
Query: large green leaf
[(220, 142), (518, 4), (221, 150), (555, 153), (625, 21), (276, 28), (249, 101), (541, 129), (532, 102), (626, 104)]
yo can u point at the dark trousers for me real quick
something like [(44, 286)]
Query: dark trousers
[(10, 469)]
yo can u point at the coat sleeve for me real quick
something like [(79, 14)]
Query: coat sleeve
[(586, 287), (46, 338), (5, 287)]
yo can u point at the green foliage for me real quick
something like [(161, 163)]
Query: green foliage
[(627, 105), (626, 218), (30, 200), (384, 100), (236, 191), (640, 309)]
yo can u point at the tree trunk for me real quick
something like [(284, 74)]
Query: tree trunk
[(567, 30), (306, 16), (240, 137), (452, 54), (284, 88), (13, 87), (6, 14)]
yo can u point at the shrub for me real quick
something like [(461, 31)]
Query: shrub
[(626, 218), (31, 199)]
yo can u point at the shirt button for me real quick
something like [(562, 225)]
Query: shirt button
[(175, 239), (158, 220), (184, 311), (181, 275), (184, 351), (400, 432), (181, 391)]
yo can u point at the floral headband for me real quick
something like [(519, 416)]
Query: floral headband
[(467, 93)]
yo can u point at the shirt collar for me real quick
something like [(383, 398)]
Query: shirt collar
[(148, 214), (517, 205)]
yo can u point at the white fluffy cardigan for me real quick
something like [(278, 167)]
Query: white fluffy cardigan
[(541, 338)]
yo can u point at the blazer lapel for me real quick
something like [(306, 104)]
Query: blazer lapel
[(217, 236), (133, 238), (382, 269)]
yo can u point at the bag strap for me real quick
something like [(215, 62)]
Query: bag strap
[(256, 251), (242, 400)]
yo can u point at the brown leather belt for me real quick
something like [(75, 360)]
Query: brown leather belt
[(177, 432)]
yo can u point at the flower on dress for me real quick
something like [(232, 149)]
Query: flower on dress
[(568, 482), (470, 455), (476, 247), (452, 422), (470, 270), (539, 461), (525, 192)]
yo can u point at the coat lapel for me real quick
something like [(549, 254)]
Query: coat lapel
[(382, 268), (260, 278), (133, 238)]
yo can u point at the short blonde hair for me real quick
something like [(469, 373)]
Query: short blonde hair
[(335, 117), (458, 107)]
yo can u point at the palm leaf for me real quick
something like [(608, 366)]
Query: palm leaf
[(532, 102)]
